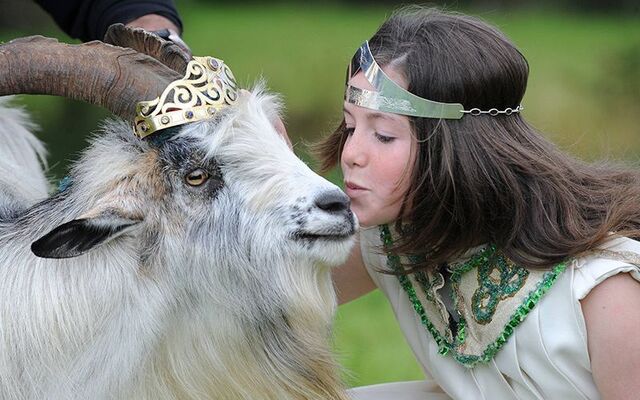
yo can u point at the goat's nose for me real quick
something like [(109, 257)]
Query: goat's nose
[(333, 201)]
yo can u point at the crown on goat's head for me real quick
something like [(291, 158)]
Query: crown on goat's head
[(207, 87)]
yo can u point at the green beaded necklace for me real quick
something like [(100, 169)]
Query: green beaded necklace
[(483, 309)]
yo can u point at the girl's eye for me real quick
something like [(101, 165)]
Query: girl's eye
[(197, 177), (384, 139)]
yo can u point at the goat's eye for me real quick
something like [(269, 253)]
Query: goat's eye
[(197, 177)]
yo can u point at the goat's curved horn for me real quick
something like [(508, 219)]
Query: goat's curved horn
[(165, 51), (94, 72)]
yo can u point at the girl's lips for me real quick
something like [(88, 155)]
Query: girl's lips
[(352, 189), (353, 186)]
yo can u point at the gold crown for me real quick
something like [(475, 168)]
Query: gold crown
[(207, 86)]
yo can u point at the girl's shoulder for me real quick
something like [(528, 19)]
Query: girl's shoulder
[(618, 255), (606, 283)]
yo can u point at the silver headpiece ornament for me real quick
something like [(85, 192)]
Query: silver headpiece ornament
[(390, 97)]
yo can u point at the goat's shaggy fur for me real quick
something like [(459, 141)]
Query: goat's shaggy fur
[(22, 180), (220, 291)]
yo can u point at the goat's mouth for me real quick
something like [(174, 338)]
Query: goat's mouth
[(326, 236)]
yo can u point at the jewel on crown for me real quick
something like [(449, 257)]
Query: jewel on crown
[(207, 87)]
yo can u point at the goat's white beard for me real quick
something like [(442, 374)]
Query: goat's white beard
[(234, 352)]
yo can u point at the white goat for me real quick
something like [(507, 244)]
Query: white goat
[(193, 269)]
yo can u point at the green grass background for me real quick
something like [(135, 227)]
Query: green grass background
[(584, 93)]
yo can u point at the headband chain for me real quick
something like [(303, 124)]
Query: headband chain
[(494, 111)]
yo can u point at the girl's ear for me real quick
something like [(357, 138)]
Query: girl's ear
[(77, 237)]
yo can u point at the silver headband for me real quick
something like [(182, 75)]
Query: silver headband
[(389, 97)]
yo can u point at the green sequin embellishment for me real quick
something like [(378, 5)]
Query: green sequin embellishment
[(514, 278), (498, 279)]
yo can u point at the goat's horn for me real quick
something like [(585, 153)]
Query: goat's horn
[(165, 51), (94, 72)]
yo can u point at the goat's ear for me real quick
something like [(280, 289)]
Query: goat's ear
[(76, 237)]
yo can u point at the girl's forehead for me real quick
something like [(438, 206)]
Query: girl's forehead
[(394, 121), (358, 112), (360, 81)]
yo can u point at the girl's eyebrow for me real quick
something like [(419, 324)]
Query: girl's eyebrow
[(373, 115), (377, 115)]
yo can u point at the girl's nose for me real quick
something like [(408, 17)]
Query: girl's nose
[(354, 152)]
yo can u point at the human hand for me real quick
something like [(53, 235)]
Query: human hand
[(162, 27)]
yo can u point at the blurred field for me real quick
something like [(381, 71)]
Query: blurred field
[(584, 92)]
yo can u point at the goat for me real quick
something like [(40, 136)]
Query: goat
[(197, 267)]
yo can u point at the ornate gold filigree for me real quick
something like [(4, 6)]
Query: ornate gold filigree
[(207, 87)]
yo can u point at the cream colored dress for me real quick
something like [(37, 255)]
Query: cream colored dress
[(524, 335)]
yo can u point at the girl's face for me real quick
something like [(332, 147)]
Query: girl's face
[(377, 158)]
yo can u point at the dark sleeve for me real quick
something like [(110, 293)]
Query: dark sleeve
[(89, 19)]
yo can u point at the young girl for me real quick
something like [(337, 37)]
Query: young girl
[(512, 267)]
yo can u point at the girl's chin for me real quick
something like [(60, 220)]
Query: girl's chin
[(366, 225), (366, 220), (363, 221)]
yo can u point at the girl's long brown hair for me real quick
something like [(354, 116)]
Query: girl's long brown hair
[(485, 179)]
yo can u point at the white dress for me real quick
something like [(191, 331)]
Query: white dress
[(525, 340)]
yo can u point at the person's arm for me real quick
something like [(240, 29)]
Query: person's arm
[(154, 22), (351, 280), (89, 19), (611, 313)]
